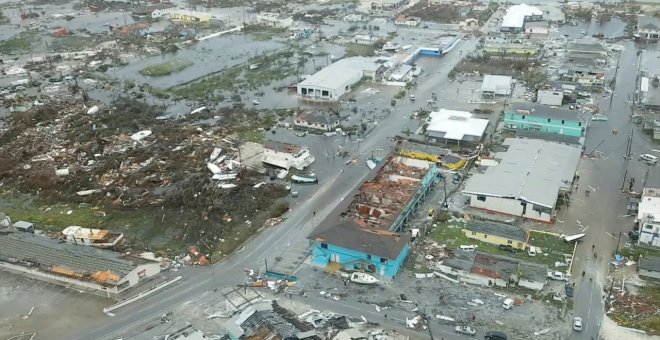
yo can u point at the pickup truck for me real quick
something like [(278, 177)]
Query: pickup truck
[(559, 276)]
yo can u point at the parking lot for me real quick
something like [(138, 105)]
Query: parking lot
[(55, 309)]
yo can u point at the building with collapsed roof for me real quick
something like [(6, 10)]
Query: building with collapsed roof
[(650, 267), (68, 264), (539, 117), (267, 320), (430, 153), (336, 79), (490, 270), (529, 178), (453, 126), (287, 155), (370, 234)]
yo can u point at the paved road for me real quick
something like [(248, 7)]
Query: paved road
[(274, 241), (601, 213)]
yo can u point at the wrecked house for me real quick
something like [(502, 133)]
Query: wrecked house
[(71, 265), (493, 270), (316, 121), (91, 237), (286, 155), (267, 320), (370, 234)]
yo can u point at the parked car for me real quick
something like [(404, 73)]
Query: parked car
[(494, 335), (569, 290), (648, 159), (559, 276), (532, 251), (507, 247), (577, 324), (507, 304), (466, 330)]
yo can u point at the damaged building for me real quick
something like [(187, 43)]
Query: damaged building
[(529, 178), (287, 155), (267, 320), (67, 264), (370, 234)]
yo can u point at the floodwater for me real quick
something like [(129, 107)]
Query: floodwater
[(208, 56), (616, 28)]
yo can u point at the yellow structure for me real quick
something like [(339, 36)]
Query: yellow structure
[(511, 50), (421, 151), (497, 233), (453, 162)]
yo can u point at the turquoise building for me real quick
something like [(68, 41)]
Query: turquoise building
[(370, 234), (543, 118)]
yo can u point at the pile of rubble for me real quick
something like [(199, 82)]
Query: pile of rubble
[(631, 308), (128, 156)]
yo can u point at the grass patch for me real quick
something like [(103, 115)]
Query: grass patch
[(354, 50), (20, 43), (4, 19), (72, 43), (252, 136), (165, 68), (452, 235)]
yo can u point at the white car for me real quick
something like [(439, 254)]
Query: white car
[(577, 324), (466, 330), (507, 304), (559, 276)]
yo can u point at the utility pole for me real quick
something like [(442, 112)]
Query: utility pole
[(627, 158), (617, 244)]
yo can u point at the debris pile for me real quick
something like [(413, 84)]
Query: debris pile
[(126, 156)]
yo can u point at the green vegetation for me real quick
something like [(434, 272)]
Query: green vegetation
[(353, 50), (165, 68), (269, 68), (4, 19), (20, 43), (251, 135), (451, 234), (72, 43)]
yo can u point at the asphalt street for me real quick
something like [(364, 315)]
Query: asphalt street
[(272, 242), (600, 214)]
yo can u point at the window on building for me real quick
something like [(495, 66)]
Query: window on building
[(548, 120), (324, 245), (579, 123), (474, 233), (509, 241), (523, 117), (383, 260), (562, 121), (481, 198), (648, 226), (368, 257), (325, 93)]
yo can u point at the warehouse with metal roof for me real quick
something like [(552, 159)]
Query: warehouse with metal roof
[(527, 181), (336, 79)]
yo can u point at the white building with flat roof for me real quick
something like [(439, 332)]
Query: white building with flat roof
[(529, 178), (336, 79), (286, 155), (455, 126), (648, 217), (494, 85), (515, 17)]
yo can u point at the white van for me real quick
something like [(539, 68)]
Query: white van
[(648, 158), (467, 248), (507, 304), (532, 251)]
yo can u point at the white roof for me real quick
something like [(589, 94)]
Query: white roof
[(649, 204), (456, 124), (498, 84), (645, 84), (515, 15), (341, 72), (532, 170)]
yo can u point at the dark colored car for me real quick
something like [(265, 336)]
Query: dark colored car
[(507, 247), (569, 290), (494, 335)]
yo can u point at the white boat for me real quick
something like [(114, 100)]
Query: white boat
[(363, 278), (91, 237)]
